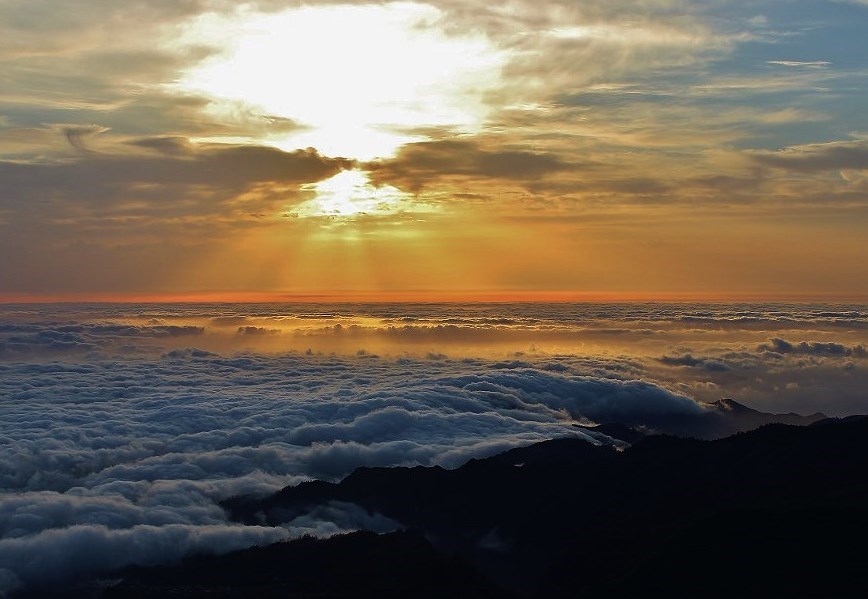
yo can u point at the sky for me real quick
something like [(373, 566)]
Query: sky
[(449, 149)]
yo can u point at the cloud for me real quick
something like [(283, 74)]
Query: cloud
[(133, 217), (813, 348), (424, 162), (55, 556), (776, 375), (811, 158), (690, 361), (601, 110), (250, 330), (114, 67), (109, 181), (561, 44), (77, 134), (120, 439), (172, 145), (214, 166), (336, 517), (811, 64), (140, 451), (20, 342)]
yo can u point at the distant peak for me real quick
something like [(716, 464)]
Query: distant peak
[(730, 405)]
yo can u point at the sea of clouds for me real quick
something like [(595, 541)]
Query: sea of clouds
[(122, 428)]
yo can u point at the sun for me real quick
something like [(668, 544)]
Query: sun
[(350, 194), (359, 80)]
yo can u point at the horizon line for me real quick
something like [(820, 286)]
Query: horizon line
[(424, 296)]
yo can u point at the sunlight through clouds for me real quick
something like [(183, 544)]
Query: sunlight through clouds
[(360, 79), (350, 194), (659, 148)]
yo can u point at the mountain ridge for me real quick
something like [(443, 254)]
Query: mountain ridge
[(565, 518)]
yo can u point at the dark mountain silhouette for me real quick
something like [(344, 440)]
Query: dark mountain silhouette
[(723, 418), (748, 417), (781, 511), (362, 564), (826, 421)]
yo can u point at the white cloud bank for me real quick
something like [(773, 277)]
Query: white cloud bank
[(119, 440), (115, 462)]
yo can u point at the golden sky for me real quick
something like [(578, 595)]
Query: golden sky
[(450, 149)]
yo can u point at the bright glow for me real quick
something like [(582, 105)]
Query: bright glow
[(350, 194), (363, 78), (644, 35)]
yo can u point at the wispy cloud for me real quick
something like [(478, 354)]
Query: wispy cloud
[(837, 155), (811, 64)]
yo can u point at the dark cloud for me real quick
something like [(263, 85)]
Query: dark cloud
[(689, 360), (25, 342), (217, 166), (229, 320), (818, 157), (77, 134), (172, 145), (812, 348), (419, 164), (155, 206), (251, 330), (188, 353), (776, 376)]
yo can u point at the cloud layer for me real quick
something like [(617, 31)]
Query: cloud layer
[(123, 426), (117, 462)]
